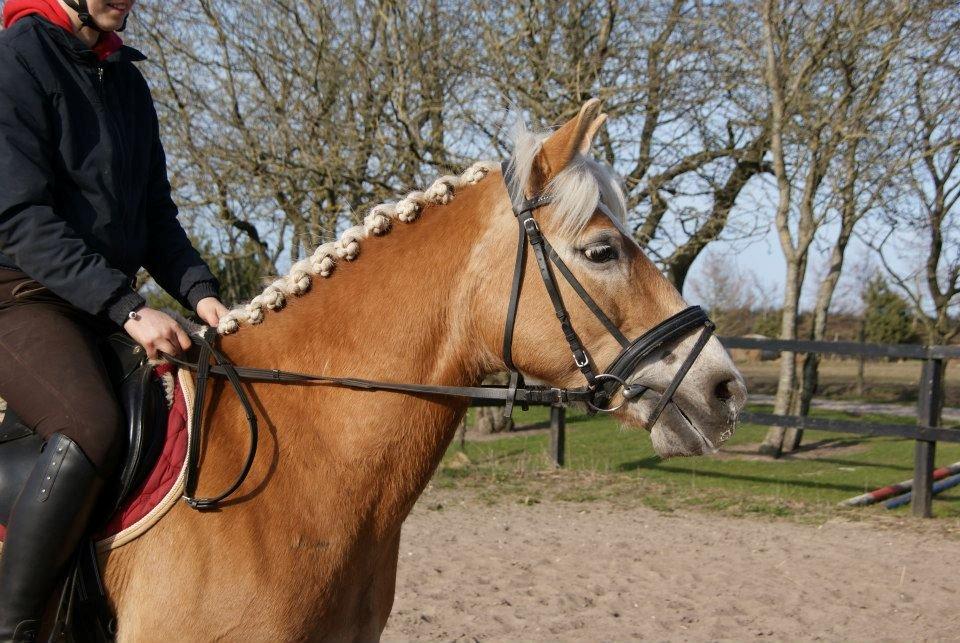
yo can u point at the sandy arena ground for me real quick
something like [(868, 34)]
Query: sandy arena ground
[(598, 572)]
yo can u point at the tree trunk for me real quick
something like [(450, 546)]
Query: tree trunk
[(773, 442), (808, 386), (462, 434), (749, 165), (491, 419), (861, 360), (850, 214)]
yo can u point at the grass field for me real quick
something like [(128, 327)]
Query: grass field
[(606, 462)]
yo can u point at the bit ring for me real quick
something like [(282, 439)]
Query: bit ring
[(614, 378)]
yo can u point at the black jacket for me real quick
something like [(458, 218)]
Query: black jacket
[(84, 196)]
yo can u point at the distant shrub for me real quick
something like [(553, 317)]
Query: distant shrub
[(887, 316)]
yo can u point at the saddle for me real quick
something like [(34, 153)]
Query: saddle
[(143, 399)]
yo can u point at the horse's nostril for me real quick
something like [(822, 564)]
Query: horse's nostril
[(725, 390)]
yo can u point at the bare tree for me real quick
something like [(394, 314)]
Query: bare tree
[(828, 72), (873, 40), (280, 134), (918, 241), (795, 45)]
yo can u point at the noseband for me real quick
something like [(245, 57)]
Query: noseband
[(597, 395)]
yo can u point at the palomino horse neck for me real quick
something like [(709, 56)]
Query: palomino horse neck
[(309, 544)]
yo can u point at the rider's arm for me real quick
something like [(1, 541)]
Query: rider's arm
[(32, 234), (171, 258)]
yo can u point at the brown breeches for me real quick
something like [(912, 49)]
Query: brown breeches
[(51, 370)]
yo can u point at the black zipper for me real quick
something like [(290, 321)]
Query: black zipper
[(117, 158), (117, 132)]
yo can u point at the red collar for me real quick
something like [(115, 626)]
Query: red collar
[(53, 12)]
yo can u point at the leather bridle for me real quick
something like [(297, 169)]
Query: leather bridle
[(597, 394), (601, 387)]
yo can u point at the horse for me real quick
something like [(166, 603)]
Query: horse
[(308, 549)]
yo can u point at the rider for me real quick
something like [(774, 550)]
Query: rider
[(84, 204)]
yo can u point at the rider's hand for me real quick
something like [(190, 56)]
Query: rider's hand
[(157, 331), (210, 310)]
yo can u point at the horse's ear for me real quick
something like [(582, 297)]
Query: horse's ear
[(573, 138), (595, 126)]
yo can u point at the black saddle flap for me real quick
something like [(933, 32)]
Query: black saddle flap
[(11, 428), (122, 357), (144, 403)]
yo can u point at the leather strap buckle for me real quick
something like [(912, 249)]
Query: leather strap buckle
[(561, 396), (511, 394), (580, 358)]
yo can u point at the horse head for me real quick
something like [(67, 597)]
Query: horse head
[(583, 219)]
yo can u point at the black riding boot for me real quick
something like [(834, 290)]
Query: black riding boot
[(45, 526)]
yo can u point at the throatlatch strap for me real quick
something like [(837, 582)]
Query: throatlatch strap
[(580, 356), (519, 267), (530, 231), (511, 320)]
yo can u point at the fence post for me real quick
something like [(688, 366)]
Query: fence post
[(558, 431), (929, 406)]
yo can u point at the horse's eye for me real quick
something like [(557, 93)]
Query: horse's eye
[(600, 252)]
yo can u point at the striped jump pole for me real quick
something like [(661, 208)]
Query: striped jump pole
[(943, 485), (878, 495)]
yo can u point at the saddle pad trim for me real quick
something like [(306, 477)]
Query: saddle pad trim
[(140, 527)]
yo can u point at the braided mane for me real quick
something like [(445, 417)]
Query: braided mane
[(324, 259)]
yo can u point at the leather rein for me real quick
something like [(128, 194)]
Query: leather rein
[(596, 394)]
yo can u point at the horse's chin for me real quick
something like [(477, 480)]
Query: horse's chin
[(670, 441), (674, 434)]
